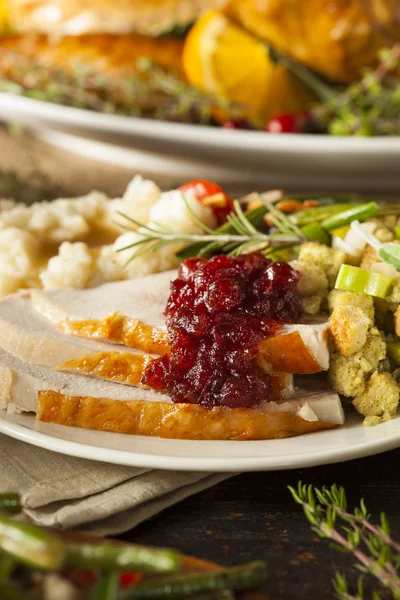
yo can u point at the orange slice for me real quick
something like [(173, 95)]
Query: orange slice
[(222, 59)]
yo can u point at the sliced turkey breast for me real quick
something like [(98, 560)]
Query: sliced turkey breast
[(71, 399), (21, 381), (189, 421), (299, 348), (30, 336), (142, 299)]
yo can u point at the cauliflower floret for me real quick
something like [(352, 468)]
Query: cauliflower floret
[(328, 259), (19, 260), (60, 220), (74, 266), (349, 326), (313, 280), (344, 298), (381, 395), (348, 373), (139, 198)]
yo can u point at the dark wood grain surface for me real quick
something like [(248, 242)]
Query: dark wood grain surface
[(252, 516)]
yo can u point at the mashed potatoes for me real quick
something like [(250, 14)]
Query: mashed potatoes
[(77, 243)]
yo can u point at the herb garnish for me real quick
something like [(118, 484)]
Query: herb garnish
[(369, 107), (237, 236), (151, 91), (374, 551)]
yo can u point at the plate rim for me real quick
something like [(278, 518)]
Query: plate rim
[(178, 132), (198, 464)]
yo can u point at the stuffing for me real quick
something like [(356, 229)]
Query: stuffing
[(349, 373), (313, 280), (397, 321), (375, 348), (311, 305), (384, 234), (74, 266), (369, 257), (348, 328), (344, 298), (395, 293), (381, 395), (328, 259), (20, 260)]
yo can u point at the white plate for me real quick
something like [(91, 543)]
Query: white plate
[(337, 445), (304, 160)]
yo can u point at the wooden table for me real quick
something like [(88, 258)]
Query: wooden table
[(252, 516)]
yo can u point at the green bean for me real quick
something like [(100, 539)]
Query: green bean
[(7, 564), (11, 591), (128, 558), (319, 213), (31, 545), (10, 503), (179, 587), (315, 233), (359, 213), (106, 588)]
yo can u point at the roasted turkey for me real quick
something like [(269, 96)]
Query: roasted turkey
[(337, 38)]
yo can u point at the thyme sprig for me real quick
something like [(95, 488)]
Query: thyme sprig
[(151, 91), (374, 551), (369, 107), (239, 235)]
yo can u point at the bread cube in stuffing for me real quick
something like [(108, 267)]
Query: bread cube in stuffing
[(381, 395), (345, 298), (349, 327), (320, 255)]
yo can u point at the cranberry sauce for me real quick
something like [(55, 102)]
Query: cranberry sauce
[(218, 311)]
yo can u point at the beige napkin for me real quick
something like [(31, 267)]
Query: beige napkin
[(95, 497)]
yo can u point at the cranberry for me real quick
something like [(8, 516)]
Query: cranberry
[(236, 124), (288, 123), (126, 578), (223, 294), (218, 312)]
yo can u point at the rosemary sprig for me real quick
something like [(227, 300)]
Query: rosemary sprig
[(237, 236), (374, 551)]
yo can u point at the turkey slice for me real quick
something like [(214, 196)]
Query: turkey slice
[(30, 336), (21, 381), (299, 348), (142, 299)]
